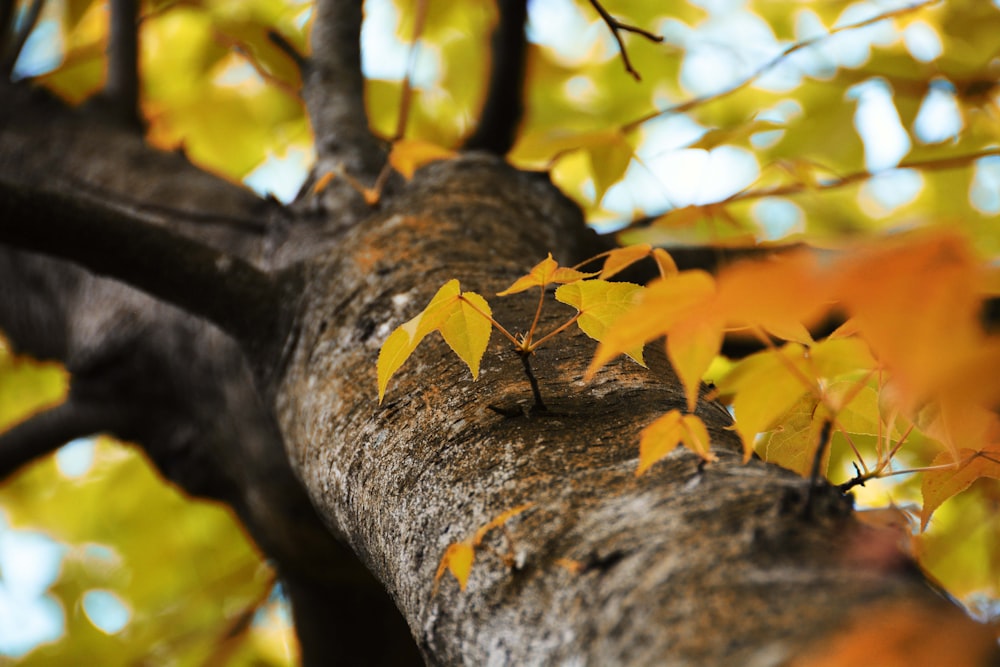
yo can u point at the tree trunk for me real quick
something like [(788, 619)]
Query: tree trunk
[(730, 563)]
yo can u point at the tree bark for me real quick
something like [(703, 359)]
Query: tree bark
[(690, 564)]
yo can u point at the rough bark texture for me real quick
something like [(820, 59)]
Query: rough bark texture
[(687, 565)]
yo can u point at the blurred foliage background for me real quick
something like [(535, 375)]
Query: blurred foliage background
[(754, 122)]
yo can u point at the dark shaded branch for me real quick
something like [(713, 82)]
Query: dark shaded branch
[(6, 26), (617, 27), (334, 91), (286, 47), (122, 87), (504, 104), (9, 58), (47, 431), (222, 288)]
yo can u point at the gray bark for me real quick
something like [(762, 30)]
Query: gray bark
[(687, 565)]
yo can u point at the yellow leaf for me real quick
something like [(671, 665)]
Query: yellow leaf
[(452, 312), (408, 155), (785, 374), (691, 347), (457, 559), (609, 159), (794, 442), (662, 305), (601, 304), (544, 273), (621, 258), (663, 435), (939, 485), (696, 437), (467, 331), (659, 439)]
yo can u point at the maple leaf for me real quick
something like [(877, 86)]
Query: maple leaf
[(939, 485), (463, 318), (459, 557), (545, 273), (408, 155), (672, 429), (661, 306), (916, 301), (601, 304)]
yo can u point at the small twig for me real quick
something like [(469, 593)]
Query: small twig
[(17, 45), (539, 404), (286, 47), (814, 475), (617, 27)]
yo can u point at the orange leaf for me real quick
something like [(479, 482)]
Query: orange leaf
[(665, 263), (778, 294), (621, 258), (939, 485), (457, 559), (916, 300)]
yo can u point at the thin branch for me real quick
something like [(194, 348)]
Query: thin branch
[(122, 87), (504, 105), (617, 27), (932, 164), (334, 92), (6, 26), (9, 59), (825, 435), (51, 429), (247, 303), (286, 47), (771, 64), (539, 405)]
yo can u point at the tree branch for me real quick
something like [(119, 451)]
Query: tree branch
[(48, 430), (6, 26), (222, 288), (617, 27), (122, 87), (504, 105), (334, 92)]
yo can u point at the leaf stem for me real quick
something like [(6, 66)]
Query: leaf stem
[(534, 322), (499, 327), (559, 329), (539, 404)]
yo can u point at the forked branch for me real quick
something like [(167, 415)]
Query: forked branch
[(617, 28)]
